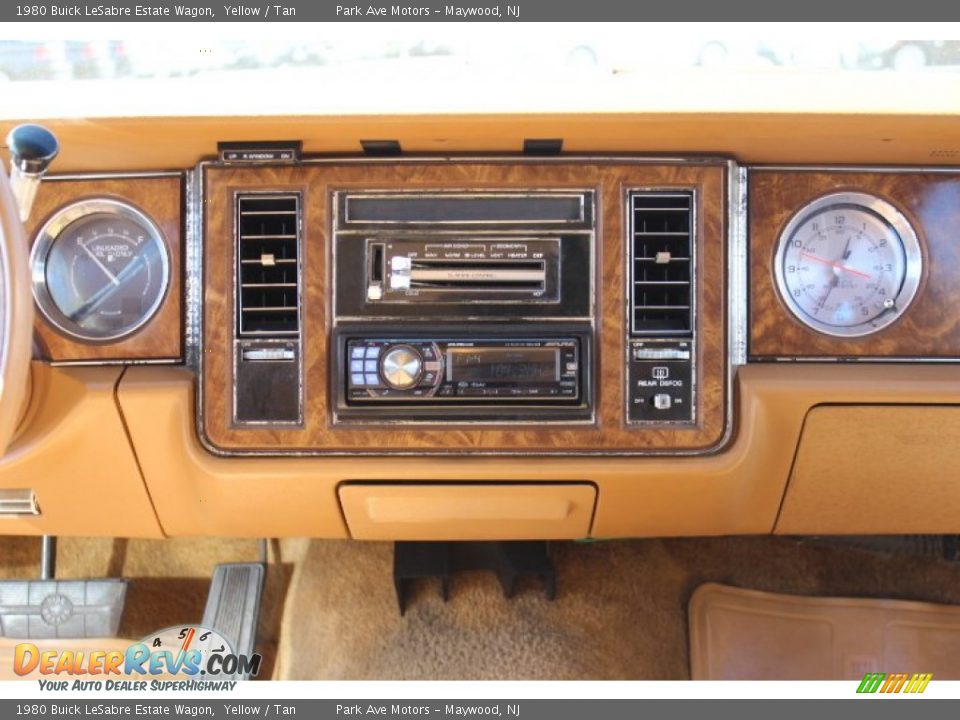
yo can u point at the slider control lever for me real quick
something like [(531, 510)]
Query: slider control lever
[(32, 149)]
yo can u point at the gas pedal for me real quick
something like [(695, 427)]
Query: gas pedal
[(233, 605)]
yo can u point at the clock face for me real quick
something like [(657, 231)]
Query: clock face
[(848, 265)]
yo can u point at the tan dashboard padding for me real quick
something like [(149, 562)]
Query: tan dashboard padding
[(738, 491), (720, 120), (405, 511), (740, 634), (73, 451), (867, 470)]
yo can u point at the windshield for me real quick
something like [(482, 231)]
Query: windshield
[(124, 69)]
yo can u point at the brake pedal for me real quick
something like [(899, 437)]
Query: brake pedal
[(233, 605), (49, 609)]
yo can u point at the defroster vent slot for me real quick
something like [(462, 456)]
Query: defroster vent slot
[(661, 263), (268, 266)]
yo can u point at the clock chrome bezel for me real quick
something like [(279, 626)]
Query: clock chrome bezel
[(909, 242)]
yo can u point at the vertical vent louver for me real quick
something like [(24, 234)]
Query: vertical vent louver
[(268, 277), (661, 262)]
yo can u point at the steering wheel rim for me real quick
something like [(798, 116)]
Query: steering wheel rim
[(16, 316)]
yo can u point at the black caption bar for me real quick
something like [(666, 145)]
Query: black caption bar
[(471, 11)]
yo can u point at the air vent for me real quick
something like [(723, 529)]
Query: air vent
[(661, 262), (268, 276)]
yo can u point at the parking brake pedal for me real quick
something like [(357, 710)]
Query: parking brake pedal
[(233, 605)]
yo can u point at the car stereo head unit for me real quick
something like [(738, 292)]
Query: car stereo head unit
[(491, 375), (454, 370)]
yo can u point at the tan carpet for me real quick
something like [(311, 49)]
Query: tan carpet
[(621, 610)]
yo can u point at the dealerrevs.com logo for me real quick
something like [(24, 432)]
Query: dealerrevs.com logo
[(176, 658)]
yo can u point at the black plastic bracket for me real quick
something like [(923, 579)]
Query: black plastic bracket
[(542, 146), (508, 560), (381, 148)]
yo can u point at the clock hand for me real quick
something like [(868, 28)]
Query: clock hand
[(835, 265), (846, 249), (833, 283)]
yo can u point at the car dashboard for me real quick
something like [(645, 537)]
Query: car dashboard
[(272, 341)]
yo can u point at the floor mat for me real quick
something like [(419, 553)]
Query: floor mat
[(620, 612), (738, 634)]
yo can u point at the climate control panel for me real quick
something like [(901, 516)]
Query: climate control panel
[(660, 381)]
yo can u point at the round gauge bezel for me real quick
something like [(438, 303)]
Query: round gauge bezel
[(48, 236), (889, 215)]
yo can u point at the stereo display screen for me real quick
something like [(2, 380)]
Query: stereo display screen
[(501, 365)]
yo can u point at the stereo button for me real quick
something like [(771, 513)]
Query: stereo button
[(401, 367)]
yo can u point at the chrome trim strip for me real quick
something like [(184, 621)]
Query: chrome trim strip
[(18, 502), (196, 219), (111, 363), (119, 175), (193, 270), (738, 265)]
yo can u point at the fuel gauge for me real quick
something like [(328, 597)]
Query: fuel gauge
[(100, 269)]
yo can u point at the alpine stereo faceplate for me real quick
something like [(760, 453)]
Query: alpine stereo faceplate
[(464, 307)]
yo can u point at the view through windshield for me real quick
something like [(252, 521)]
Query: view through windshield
[(115, 69)]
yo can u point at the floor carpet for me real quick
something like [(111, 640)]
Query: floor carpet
[(330, 611), (620, 612)]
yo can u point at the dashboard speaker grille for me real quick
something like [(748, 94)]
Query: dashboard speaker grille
[(268, 265), (661, 263)]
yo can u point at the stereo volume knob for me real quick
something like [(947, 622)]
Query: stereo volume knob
[(401, 367)]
